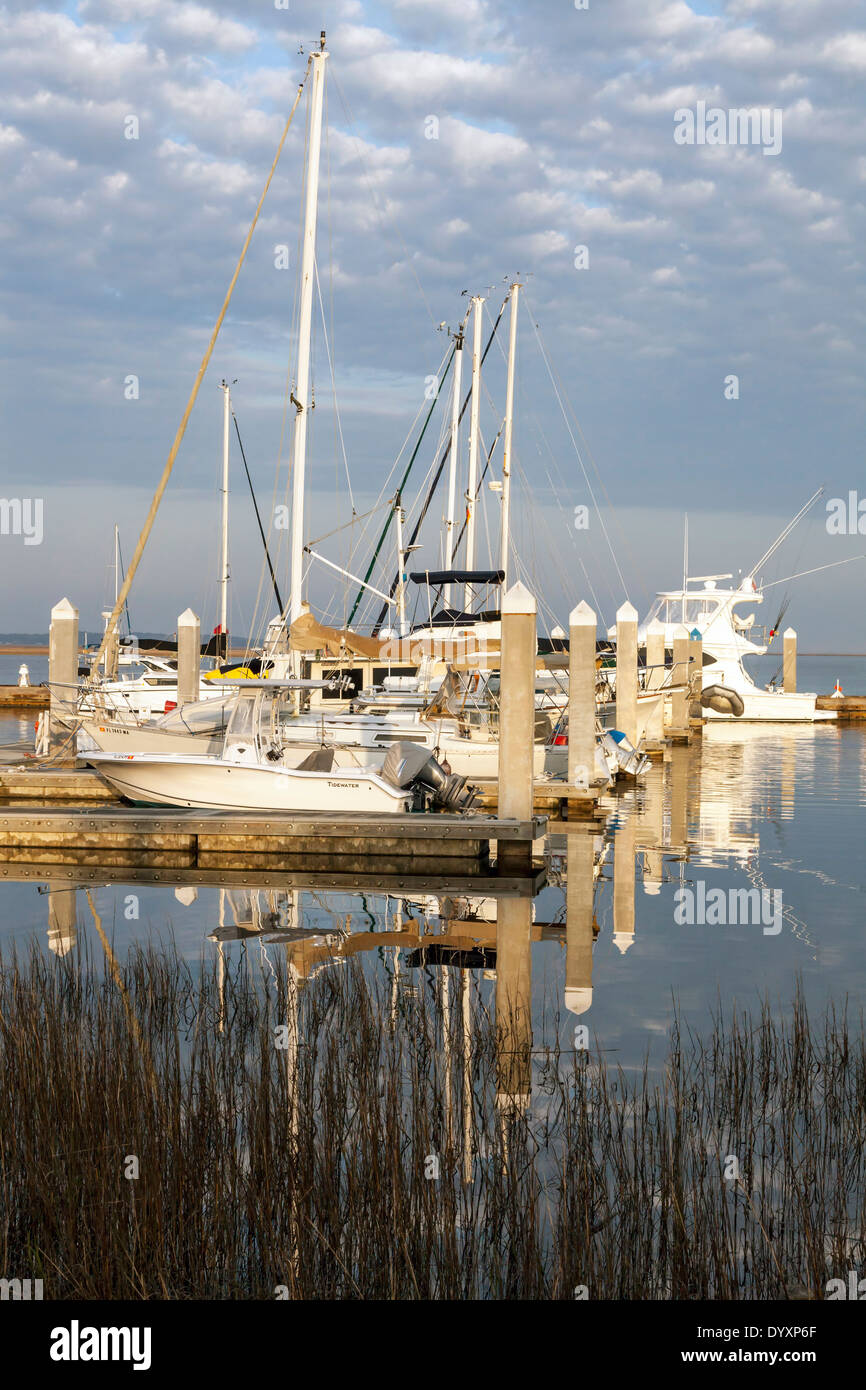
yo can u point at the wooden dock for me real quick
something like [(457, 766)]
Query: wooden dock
[(24, 697), (843, 706), (25, 782), (85, 784), (126, 837)]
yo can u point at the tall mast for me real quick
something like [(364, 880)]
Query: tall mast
[(224, 532), (685, 562), (116, 562), (305, 319), (452, 459), (506, 444), (474, 408), (401, 568)]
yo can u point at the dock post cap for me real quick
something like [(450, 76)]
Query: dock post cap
[(655, 628), (622, 940), (64, 609), (187, 618), (681, 633), (582, 616), (790, 632), (627, 613), (518, 600), (578, 999)]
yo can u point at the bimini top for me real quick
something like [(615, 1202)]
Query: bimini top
[(436, 578)]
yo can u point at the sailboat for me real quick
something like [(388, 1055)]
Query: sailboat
[(255, 768)]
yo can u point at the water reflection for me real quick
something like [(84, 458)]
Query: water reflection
[(768, 811)]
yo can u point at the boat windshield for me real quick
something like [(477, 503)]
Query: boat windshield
[(698, 609)]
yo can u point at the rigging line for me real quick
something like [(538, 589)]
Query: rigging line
[(181, 429), (414, 536), (406, 473), (385, 495), (579, 458), (599, 607), (126, 605), (334, 389), (614, 514), (487, 460), (258, 517), (596, 470), (817, 570), (371, 189), (359, 516)]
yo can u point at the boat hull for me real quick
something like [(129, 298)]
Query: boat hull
[(219, 785)]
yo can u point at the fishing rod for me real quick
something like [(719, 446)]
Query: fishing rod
[(786, 533)]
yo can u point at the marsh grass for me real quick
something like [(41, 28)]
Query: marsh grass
[(376, 1154)]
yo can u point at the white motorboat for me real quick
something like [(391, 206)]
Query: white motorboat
[(712, 612), (257, 771)]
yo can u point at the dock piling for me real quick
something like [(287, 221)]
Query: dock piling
[(626, 671), (789, 661), (62, 672), (581, 696), (517, 720), (655, 677), (188, 657), (681, 676)]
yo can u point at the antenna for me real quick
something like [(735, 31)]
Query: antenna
[(685, 561)]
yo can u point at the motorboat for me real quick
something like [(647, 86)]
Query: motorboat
[(704, 607), (258, 770)]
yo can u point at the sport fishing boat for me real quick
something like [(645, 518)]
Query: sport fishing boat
[(713, 613)]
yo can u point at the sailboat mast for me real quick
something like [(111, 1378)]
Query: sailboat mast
[(224, 534), (505, 519), (401, 570), (685, 562), (474, 409), (305, 319), (116, 562), (452, 459)]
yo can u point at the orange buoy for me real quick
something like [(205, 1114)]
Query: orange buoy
[(837, 691)]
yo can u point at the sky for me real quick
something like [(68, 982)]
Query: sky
[(691, 331)]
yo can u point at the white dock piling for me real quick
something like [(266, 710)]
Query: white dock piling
[(517, 719), (696, 677), (789, 661), (62, 672), (626, 671), (188, 657), (655, 661), (581, 696), (681, 677)]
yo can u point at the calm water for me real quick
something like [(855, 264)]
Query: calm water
[(747, 808)]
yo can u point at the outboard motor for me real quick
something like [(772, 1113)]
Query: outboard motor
[(412, 765)]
